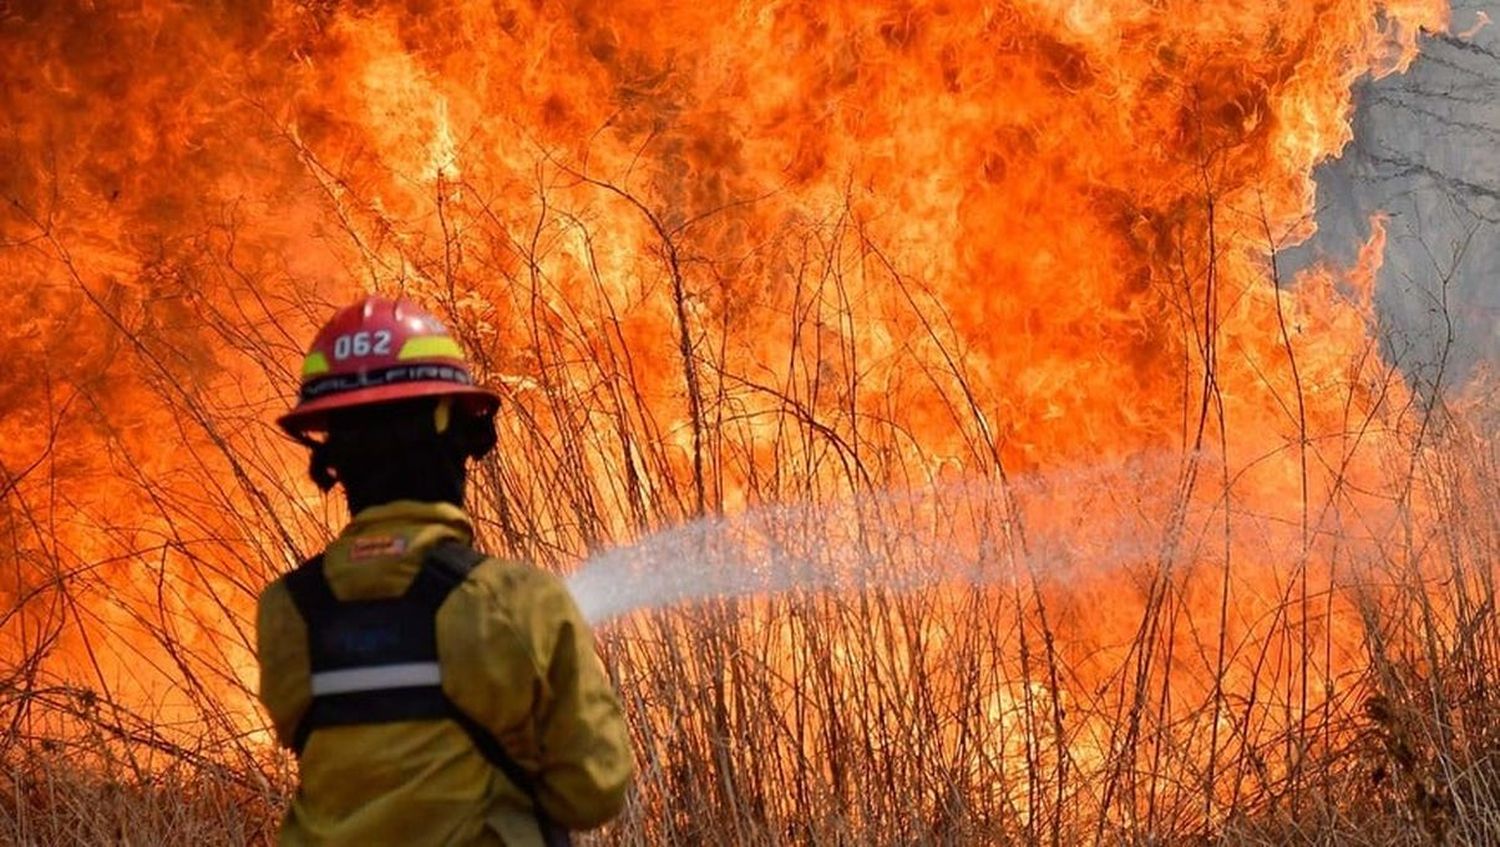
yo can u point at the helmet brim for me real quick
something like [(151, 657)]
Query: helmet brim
[(312, 416)]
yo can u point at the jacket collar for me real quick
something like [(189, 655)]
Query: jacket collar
[(380, 549)]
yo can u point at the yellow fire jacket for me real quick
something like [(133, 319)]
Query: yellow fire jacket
[(516, 656)]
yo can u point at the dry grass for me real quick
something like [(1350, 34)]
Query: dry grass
[(51, 800), (869, 716)]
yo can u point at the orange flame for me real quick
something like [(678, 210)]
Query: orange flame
[(717, 255)]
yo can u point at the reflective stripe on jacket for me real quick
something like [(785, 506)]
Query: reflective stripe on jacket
[(516, 656)]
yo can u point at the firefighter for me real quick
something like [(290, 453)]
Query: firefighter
[(432, 695)]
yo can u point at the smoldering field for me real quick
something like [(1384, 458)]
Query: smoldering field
[(944, 409)]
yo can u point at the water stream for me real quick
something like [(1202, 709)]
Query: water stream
[(973, 532)]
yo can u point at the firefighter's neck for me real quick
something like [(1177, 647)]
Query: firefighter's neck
[(360, 500)]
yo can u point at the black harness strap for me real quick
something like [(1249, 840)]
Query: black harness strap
[(444, 568), (369, 634)]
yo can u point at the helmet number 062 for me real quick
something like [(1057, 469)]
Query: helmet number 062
[(362, 344)]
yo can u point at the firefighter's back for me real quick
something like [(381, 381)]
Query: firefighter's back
[(370, 777)]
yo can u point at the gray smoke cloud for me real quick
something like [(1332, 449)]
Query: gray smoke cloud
[(1426, 151)]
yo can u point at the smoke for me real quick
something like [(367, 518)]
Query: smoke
[(1426, 153)]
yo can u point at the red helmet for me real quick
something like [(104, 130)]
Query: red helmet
[(378, 351)]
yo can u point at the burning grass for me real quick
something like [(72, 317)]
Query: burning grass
[(958, 713), (871, 717)]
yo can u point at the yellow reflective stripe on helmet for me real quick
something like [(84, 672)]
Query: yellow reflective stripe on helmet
[(315, 363), (431, 347)]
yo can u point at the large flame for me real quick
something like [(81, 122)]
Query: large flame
[(719, 255)]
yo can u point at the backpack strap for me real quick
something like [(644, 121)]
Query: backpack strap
[(451, 562), (445, 566), (494, 752), (309, 589)]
